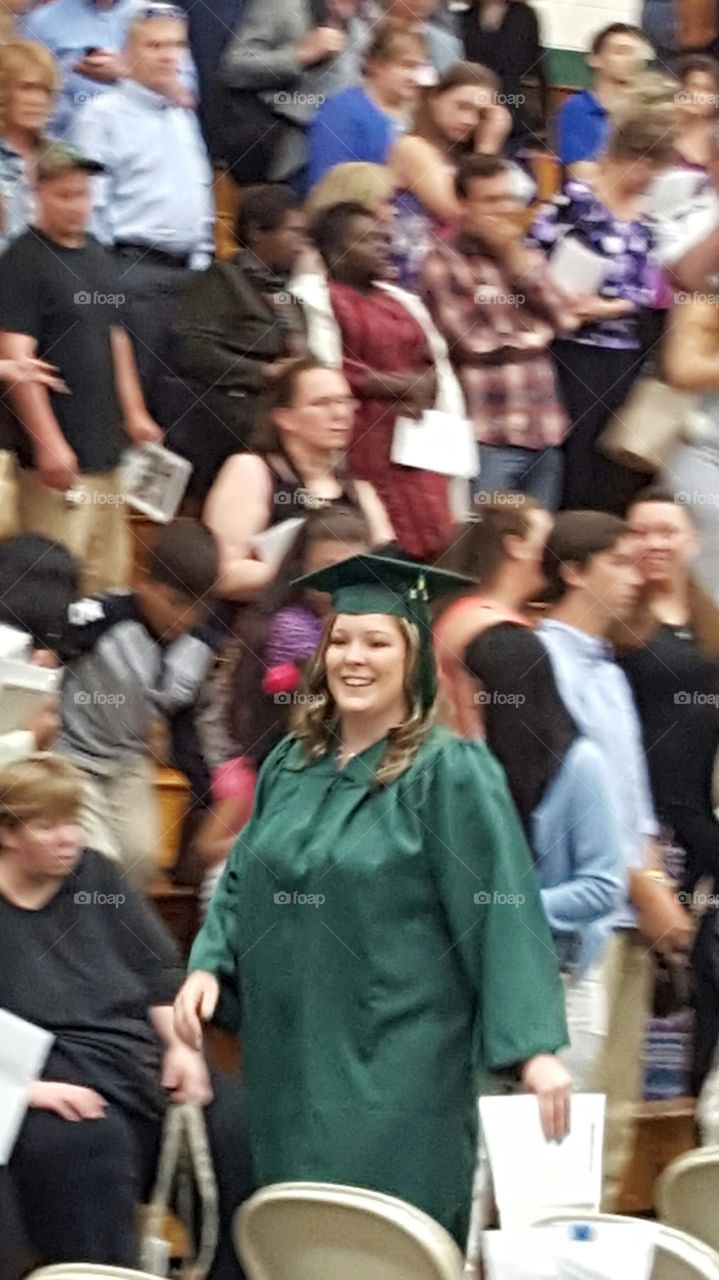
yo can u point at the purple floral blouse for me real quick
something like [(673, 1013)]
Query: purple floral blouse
[(635, 276)]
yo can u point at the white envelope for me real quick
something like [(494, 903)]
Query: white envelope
[(576, 269), (23, 687), (272, 544), (23, 1051), (440, 442), (532, 1176)]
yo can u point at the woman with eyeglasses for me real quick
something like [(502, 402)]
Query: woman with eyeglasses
[(297, 467)]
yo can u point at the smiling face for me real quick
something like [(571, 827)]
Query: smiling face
[(665, 540), (366, 659)]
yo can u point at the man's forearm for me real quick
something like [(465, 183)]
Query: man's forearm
[(31, 403), (127, 379)]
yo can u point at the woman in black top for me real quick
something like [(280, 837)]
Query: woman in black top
[(504, 36), (672, 662), (85, 957), (297, 467)]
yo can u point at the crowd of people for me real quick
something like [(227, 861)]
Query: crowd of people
[(450, 739)]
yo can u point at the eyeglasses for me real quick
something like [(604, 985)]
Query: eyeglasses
[(328, 402)]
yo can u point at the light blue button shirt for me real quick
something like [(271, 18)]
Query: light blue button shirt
[(157, 190), (578, 856), (16, 195), (69, 28), (597, 695)]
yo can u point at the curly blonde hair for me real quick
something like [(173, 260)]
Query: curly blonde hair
[(315, 722)]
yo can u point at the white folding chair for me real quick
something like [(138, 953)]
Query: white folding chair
[(686, 1195), (303, 1230), (88, 1271), (677, 1256)]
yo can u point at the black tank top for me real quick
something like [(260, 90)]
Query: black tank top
[(290, 498)]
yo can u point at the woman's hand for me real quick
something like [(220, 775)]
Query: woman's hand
[(196, 1002), (45, 722), (546, 1076), (185, 1075), (70, 1101), (493, 129)]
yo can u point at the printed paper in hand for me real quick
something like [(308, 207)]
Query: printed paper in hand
[(154, 481), (550, 1253), (22, 687), (438, 442), (273, 544), (531, 1175), (577, 270), (23, 1051)]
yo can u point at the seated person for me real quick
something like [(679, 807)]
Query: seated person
[(362, 122), (235, 323), (131, 658), (619, 52), (98, 971), (39, 580)]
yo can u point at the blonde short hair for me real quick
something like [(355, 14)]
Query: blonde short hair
[(44, 788), (16, 59), (369, 184)]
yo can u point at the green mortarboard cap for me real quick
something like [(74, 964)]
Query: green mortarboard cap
[(400, 588)]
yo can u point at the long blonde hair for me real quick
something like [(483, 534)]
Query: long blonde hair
[(316, 721)]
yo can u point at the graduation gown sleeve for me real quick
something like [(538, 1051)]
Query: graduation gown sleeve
[(215, 947), (488, 888)]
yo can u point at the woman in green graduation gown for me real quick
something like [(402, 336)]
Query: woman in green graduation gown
[(378, 939)]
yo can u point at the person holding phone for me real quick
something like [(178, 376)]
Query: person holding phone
[(88, 39)]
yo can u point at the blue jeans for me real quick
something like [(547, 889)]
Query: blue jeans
[(508, 467)]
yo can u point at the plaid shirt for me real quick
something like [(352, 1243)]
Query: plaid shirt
[(498, 331)]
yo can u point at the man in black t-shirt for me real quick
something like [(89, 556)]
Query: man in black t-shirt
[(61, 296)]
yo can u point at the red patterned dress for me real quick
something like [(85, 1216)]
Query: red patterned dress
[(380, 336)]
